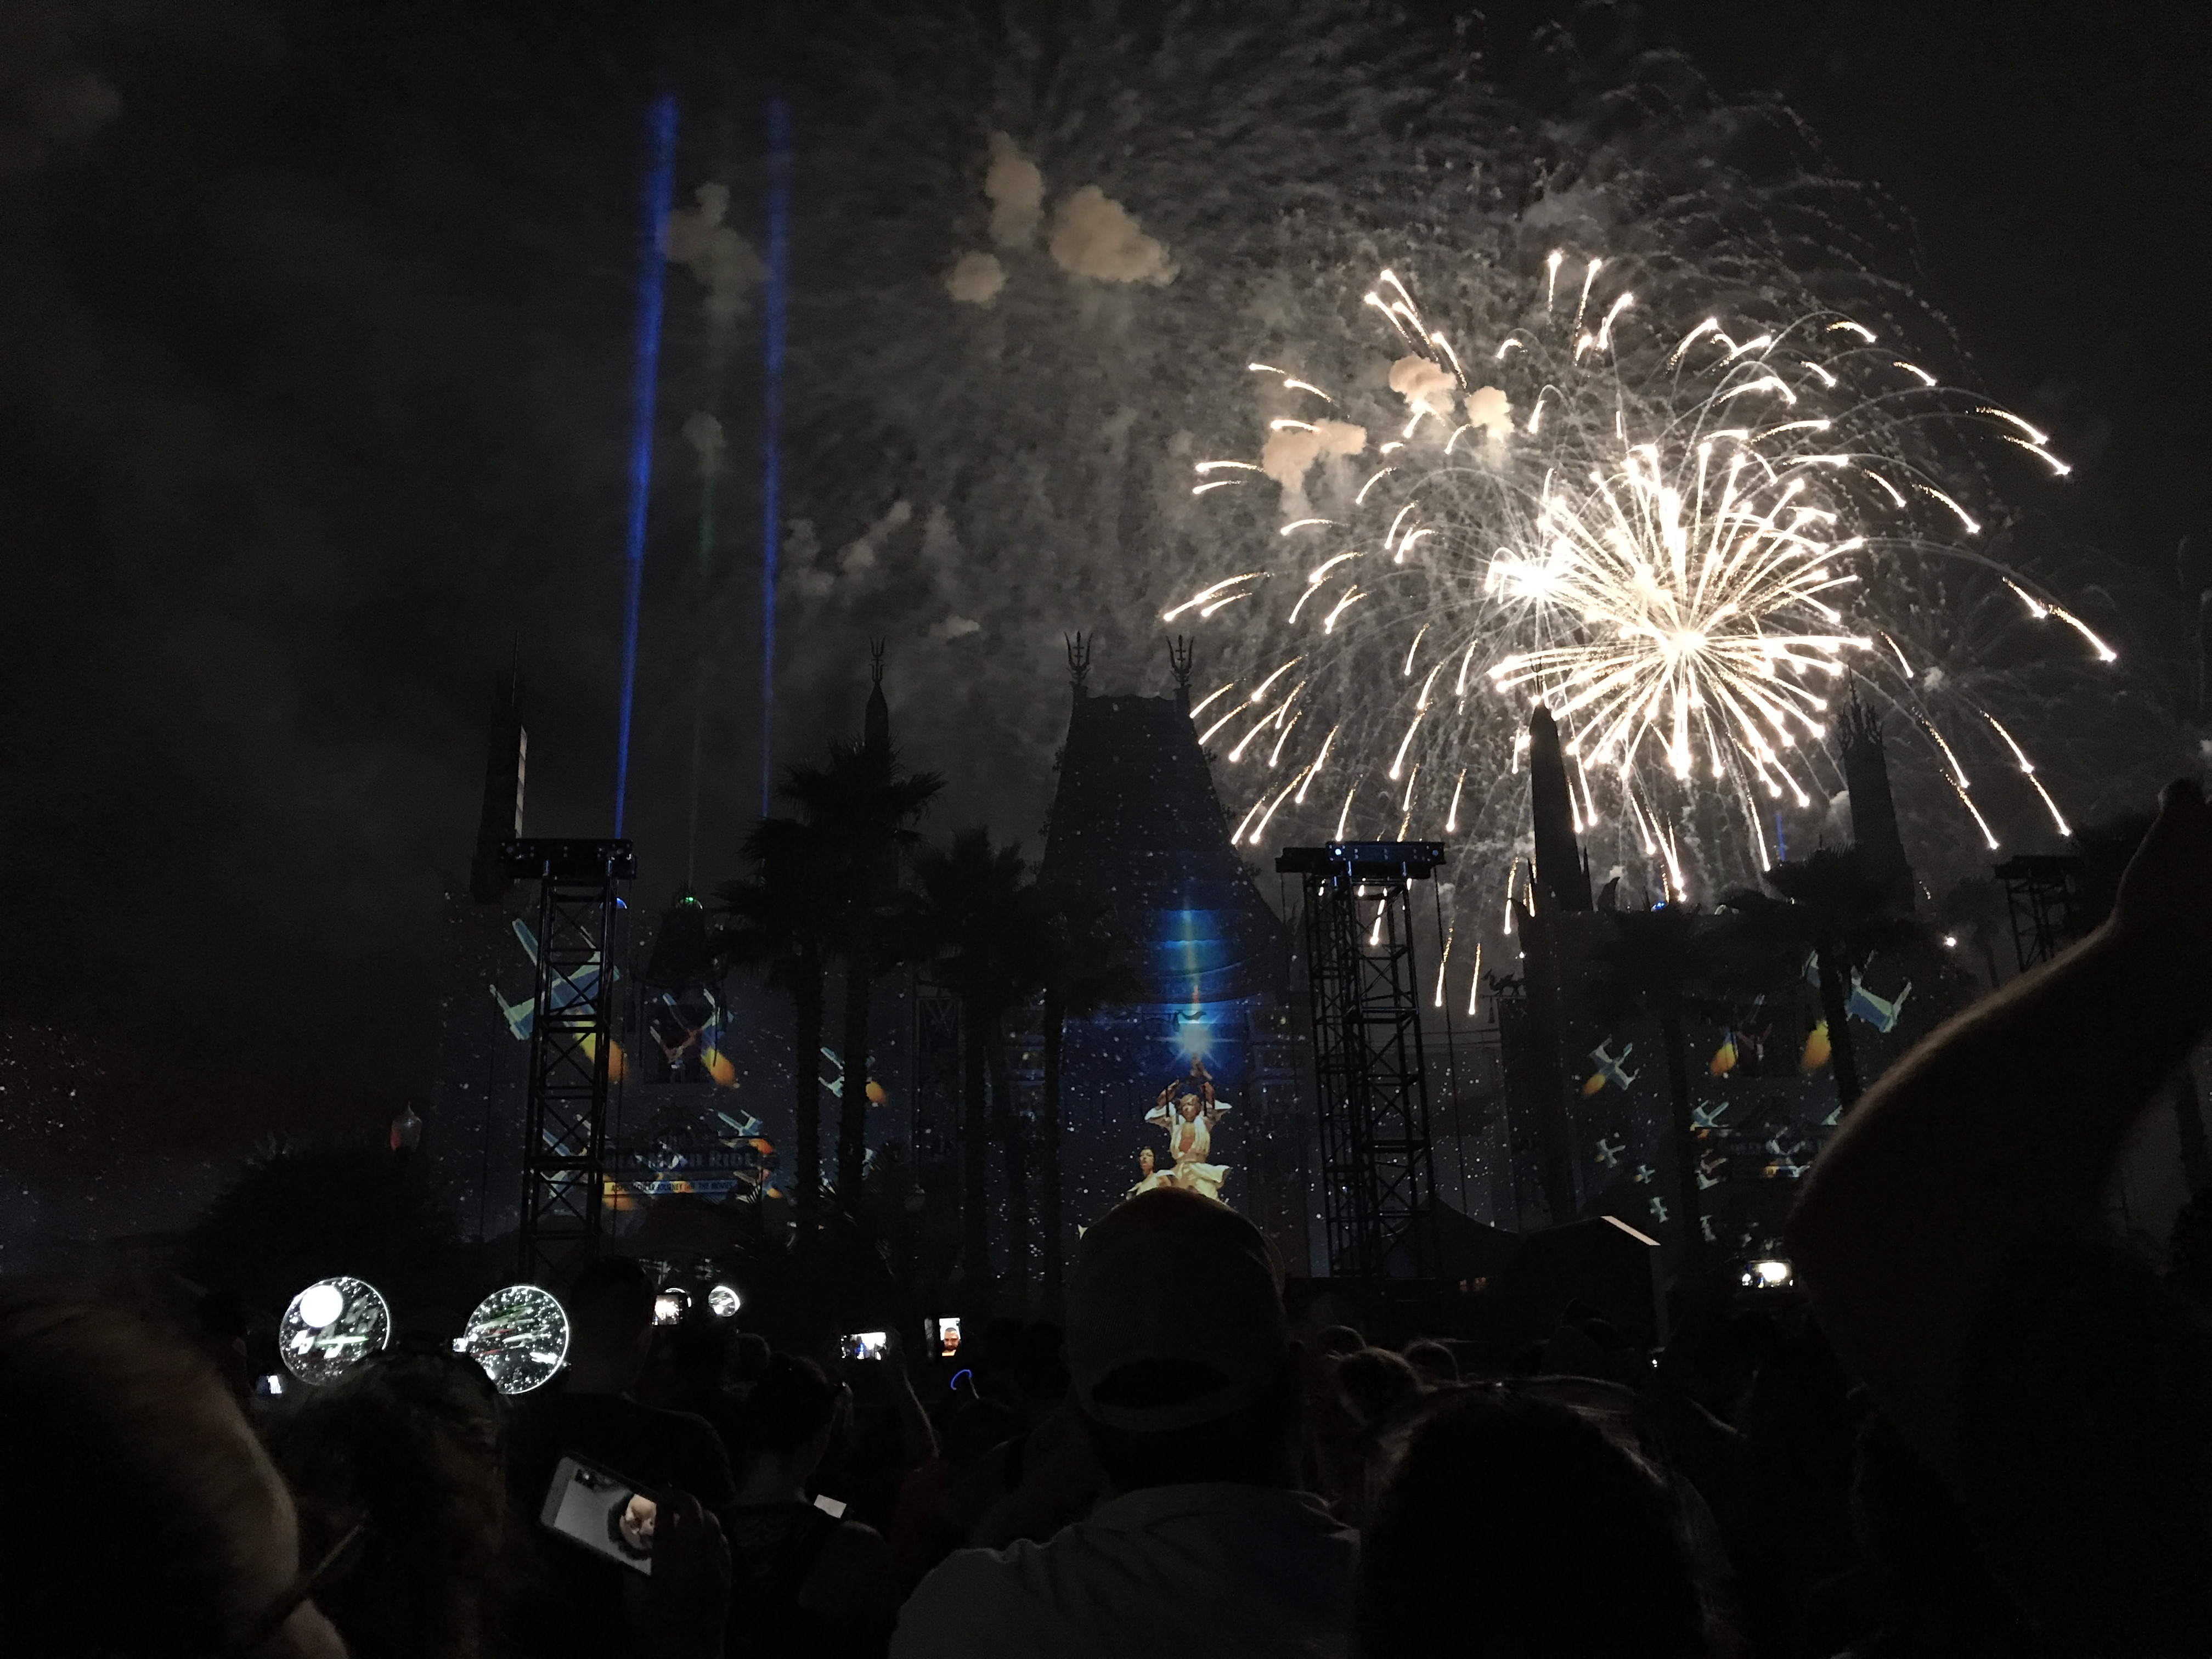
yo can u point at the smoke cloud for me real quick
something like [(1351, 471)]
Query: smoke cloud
[(975, 278), (1094, 236), (704, 433), (1422, 385), (1017, 191), (1288, 453), (722, 261), (1490, 411)]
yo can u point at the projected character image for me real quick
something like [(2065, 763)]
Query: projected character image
[(1187, 1108), (1149, 1175)]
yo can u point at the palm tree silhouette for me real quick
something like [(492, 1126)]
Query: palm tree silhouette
[(860, 806), (1084, 963), (779, 926), (1843, 908), (971, 907)]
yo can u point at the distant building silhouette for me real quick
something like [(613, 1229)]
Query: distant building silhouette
[(1562, 874), (1135, 820), (1873, 810)]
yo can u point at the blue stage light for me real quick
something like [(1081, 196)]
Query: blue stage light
[(779, 260), (659, 182)]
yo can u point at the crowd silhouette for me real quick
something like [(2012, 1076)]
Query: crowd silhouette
[(1975, 1425)]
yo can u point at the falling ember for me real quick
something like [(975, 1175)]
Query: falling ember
[(1261, 691), (1200, 707), (1238, 834), (1207, 594), (2027, 766), (1262, 725), (1261, 828), (1451, 823), (1397, 763), (2056, 816), (1206, 736), (2105, 652), (1314, 771), (1352, 597), (1407, 671), (1475, 980), (1965, 520), (1989, 835), (1958, 773)]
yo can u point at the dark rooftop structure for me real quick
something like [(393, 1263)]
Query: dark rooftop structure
[(1135, 819)]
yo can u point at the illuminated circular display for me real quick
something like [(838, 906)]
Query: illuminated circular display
[(331, 1327), (519, 1335), (723, 1302)]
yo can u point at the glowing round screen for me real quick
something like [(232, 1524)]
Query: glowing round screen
[(331, 1327), (519, 1335)]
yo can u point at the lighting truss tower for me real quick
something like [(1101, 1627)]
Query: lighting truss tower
[(572, 1031), (2041, 894), (1378, 1175)]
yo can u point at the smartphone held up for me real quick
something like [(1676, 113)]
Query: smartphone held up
[(607, 1515), (863, 1345)]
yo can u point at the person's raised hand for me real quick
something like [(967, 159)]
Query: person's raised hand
[(688, 1597)]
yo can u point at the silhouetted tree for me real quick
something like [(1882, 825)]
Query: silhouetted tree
[(860, 806), (291, 1218), (1084, 962), (778, 924), (970, 895)]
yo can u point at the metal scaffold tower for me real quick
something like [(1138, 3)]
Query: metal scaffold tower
[(2041, 894), (572, 1045), (1378, 1175)]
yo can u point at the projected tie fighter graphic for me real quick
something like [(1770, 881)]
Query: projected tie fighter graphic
[(568, 989)]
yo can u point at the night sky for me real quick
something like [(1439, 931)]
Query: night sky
[(314, 374)]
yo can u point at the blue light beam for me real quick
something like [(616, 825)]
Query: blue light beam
[(779, 259), (659, 182)]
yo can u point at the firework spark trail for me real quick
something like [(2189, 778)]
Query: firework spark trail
[(1689, 551)]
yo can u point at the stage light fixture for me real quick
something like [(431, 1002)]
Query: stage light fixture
[(723, 1302)]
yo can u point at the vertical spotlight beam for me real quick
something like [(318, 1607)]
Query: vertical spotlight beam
[(779, 259), (659, 181)]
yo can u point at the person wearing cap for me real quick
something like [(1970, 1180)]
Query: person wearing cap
[(1189, 1391)]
